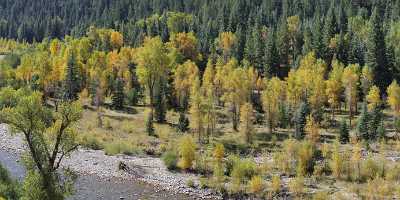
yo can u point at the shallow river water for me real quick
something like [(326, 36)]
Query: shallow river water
[(93, 188)]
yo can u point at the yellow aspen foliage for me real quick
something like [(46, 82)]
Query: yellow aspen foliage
[(276, 183), (393, 98), (247, 120), (183, 80), (186, 45), (367, 79), (25, 70), (373, 98), (196, 108), (226, 42), (312, 129), (208, 79), (272, 97), (350, 82), (334, 88), (219, 153), (256, 185), (238, 87), (293, 23), (116, 39), (153, 64), (55, 47), (301, 85), (187, 152)]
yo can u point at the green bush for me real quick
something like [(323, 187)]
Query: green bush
[(118, 147), (92, 142), (170, 159), (243, 170), (8, 187)]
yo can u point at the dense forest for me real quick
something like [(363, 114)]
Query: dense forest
[(264, 36), (210, 87)]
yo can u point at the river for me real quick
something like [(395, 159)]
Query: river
[(94, 188)]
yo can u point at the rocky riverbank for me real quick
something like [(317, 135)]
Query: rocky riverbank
[(146, 170)]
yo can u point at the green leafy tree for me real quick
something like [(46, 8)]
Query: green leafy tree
[(50, 137)]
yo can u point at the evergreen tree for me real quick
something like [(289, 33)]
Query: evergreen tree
[(381, 131), (271, 56), (160, 110), (300, 120), (118, 95), (344, 132), (149, 124), (72, 80), (376, 51), (330, 29), (374, 122), (183, 123), (362, 123)]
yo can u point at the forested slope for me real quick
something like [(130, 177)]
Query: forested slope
[(267, 36)]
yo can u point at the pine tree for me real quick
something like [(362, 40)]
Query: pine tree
[(375, 120), (300, 120), (72, 80), (183, 123), (376, 51), (344, 132), (362, 123), (381, 131), (160, 109), (118, 95)]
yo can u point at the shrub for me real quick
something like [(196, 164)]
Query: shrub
[(187, 152), (276, 184), (170, 159), (117, 147), (219, 152), (393, 173), (337, 163), (371, 169), (256, 185), (320, 196), (230, 162), (243, 170), (296, 186), (190, 183), (92, 142), (8, 187), (305, 158), (202, 164), (379, 189)]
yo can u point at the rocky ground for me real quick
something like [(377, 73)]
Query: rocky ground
[(147, 170)]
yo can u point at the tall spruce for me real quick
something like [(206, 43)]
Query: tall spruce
[(72, 78), (300, 120), (362, 123), (376, 50), (344, 132), (118, 95)]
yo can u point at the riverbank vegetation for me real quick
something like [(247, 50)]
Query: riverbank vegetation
[(294, 100)]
